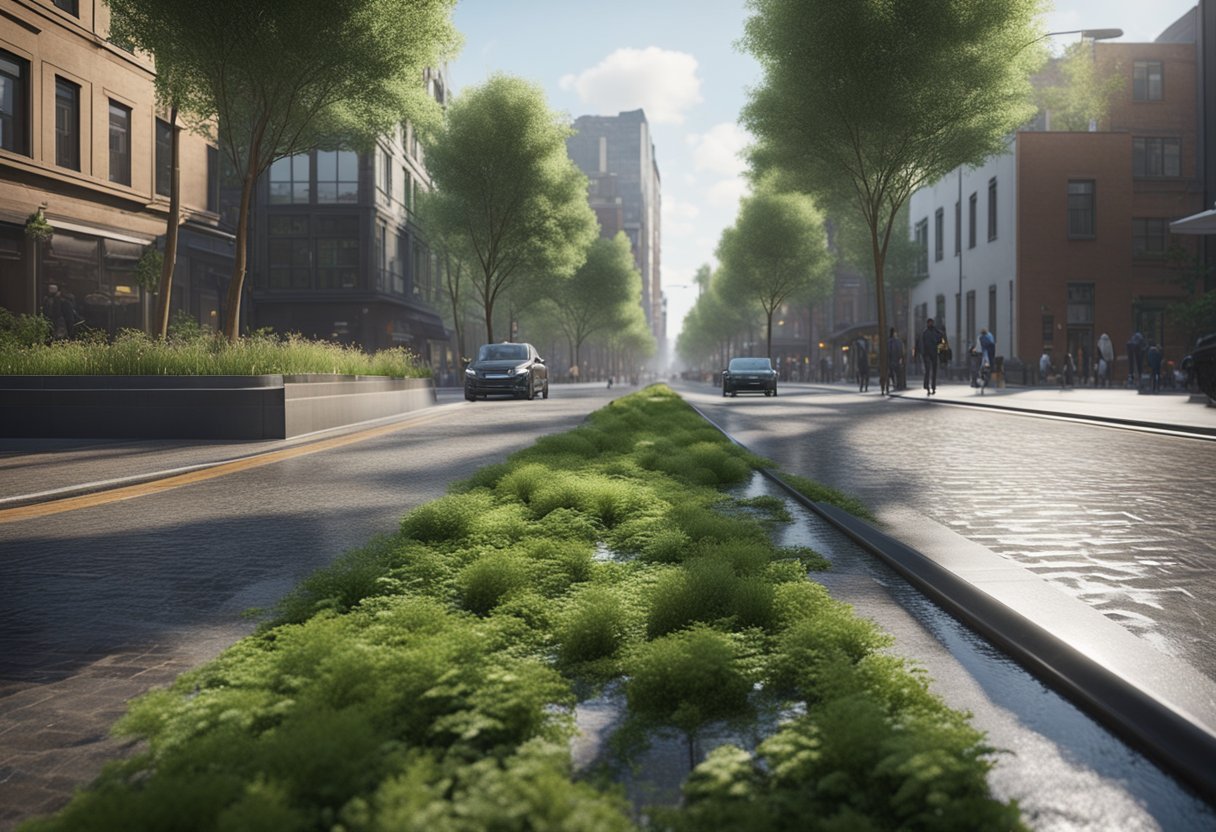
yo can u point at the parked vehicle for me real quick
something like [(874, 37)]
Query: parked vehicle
[(506, 369), (749, 375), (1202, 362)]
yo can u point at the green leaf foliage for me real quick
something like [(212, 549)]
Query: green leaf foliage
[(505, 191), (777, 249), (426, 680)]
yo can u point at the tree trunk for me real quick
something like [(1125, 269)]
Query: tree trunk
[(489, 309), (171, 229), (770, 334), (881, 299), (232, 317)]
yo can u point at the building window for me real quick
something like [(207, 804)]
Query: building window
[(972, 205), (1081, 209), (1080, 310), (1148, 237), (289, 180), (72, 7), (337, 176), (922, 247), (1156, 156), (213, 179), (120, 143), (14, 103), (992, 309), (1147, 81), (958, 228), (290, 252), (939, 218), (1049, 329), (67, 124), (385, 180), (992, 209), (971, 334), (164, 157), (337, 252)]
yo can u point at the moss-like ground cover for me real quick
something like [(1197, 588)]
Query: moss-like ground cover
[(426, 681)]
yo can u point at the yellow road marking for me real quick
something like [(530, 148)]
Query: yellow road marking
[(129, 492)]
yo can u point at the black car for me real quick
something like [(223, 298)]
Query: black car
[(506, 369), (749, 375)]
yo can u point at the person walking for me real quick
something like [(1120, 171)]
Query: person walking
[(1135, 359), (1044, 366), (895, 355), (1068, 371), (1106, 353), (861, 363), (930, 340), (1154, 366)]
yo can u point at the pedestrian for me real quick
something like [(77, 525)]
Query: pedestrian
[(609, 382), (861, 362), (1044, 366), (930, 342), (1106, 353), (1068, 371), (1084, 365), (1135, 359), (895, 356), (58, 308), (1154, 366)]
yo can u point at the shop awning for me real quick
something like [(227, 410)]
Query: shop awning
[(851, 331), (1201, 223)]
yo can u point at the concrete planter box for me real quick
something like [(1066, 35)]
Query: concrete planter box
[(200, 407)]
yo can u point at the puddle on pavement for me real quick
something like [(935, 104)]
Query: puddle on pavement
[(1066, 771)]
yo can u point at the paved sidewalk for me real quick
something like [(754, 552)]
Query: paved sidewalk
[(1116, 405)]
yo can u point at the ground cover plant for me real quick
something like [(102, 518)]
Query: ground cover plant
[(428, 679), (205, 354)]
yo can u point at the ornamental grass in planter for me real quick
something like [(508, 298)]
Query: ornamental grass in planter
[(429, 679)]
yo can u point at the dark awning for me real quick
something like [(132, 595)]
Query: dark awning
[(851, 331)]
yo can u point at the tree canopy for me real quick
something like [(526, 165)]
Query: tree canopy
[(600, 295), (776, 249), (864, 101), (1083, 92), (505, 187), (278, 77)]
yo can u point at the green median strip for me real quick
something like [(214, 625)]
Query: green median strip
[(429, 679)]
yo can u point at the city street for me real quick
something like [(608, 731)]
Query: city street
[(108, 601), (1120, 519), (103, 603)]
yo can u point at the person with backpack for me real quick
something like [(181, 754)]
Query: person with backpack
[(861, 363), (931, 341)]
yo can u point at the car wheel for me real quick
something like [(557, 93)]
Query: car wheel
[(531, 391), (774, 391), (544, 394), (470, 396), (724, 391)]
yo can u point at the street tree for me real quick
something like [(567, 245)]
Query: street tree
[(864, 101), (776, 249), (714, 327), (276, 78), (505, 187), (599, 295), (1082, 92)]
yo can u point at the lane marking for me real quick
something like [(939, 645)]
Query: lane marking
[(130, 492)]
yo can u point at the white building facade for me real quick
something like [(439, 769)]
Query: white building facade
[(966, 226)]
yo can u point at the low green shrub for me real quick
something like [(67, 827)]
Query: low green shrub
[(594, 626), (135, 353), (491, 578)]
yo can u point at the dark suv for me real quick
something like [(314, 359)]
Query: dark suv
[(506, 369), (749, 375)]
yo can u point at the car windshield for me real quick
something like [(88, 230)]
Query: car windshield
[(745, 365), (503, 352)]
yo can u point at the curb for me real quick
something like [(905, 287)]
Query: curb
[(1166, 736)]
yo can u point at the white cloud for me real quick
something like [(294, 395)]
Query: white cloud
[(727, 191), (719, 150), (662, 82), (678, 216)]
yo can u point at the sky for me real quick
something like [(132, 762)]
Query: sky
[(676, 59)]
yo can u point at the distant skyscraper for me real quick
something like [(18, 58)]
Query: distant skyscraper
[(617, 155)]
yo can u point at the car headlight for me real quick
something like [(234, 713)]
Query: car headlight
[(470, 372)]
